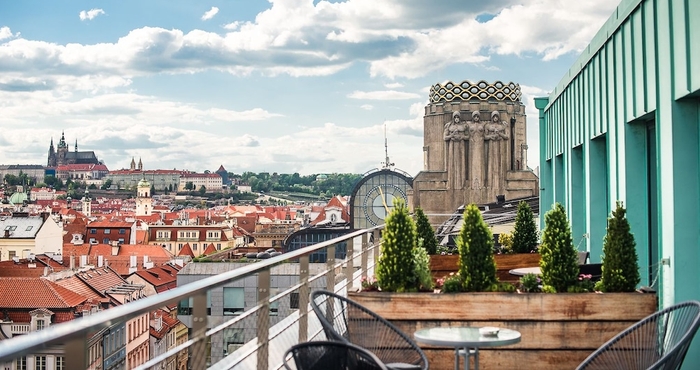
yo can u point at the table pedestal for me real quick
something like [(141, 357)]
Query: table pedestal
[(467, 353)]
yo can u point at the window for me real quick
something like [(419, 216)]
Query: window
[(107, 231), (93, 231), (60, 363), (40, 325), (121, 240), (29, 228), (21, 363), (12, 254), (218, 246), (194, 246), (294, 300), (105, 241), (274, 306), (185, 307), (10, 228), (40, 362), (233, 340), (234, 301), (122, 231)]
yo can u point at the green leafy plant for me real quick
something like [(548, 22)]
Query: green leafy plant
[(452, 284), (425, 231), (530, 283), (620, 261), (525, 232), (506, 242), (559, 258), (502, 287), (369, 284), (396, 265), (477, 268), (421, 271), (583, 285)]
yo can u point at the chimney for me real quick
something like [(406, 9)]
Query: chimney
[(83, 261), (132, 261), (44, 216), (115, 248), (7, 233), (72, 262), (100, 261)]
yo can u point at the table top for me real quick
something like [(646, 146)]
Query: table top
[(525, 270), (466, 336)]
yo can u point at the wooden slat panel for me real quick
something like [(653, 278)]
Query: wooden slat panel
[(538, 335), (508, 306), (511, 359)]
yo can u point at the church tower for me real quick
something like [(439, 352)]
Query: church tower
[(87, 204), (52, 156), (144, 203), (140, 165), (133, 164)]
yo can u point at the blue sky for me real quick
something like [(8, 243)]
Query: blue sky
[(280, 86)]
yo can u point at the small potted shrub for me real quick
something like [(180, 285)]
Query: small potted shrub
[(620, 261), (559, 261), (525, 231), (477, 269), (426, 234), (401, 266)]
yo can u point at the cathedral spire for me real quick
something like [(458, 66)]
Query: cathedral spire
[(133, 164), (140, 165), (76, 145)]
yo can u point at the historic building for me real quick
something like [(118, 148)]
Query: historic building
[(61, 155), (475, 148)]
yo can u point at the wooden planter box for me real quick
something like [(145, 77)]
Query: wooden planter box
[(558, 330), (442, 265)]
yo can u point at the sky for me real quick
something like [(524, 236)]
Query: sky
[(282, 86)]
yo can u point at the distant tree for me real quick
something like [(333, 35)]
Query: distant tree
[(107, 184), (92, 186), (189, 186), (153, 189), (202, 190), (11, 179)]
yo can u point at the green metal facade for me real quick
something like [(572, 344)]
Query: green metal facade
[(623, 125)]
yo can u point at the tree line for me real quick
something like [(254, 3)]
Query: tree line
[(328, 184)]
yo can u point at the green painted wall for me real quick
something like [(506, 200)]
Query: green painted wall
[(624, 123)]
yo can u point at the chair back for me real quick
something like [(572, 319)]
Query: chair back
[(325, 355), (582, 257), (345, 320), (659, 341)]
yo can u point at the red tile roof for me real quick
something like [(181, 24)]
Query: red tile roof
[(44, 293), (211, 249), (186, 251)]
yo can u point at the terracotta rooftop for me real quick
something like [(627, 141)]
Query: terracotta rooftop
[(36, 293)]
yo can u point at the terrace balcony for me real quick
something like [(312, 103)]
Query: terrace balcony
[(282, 317)]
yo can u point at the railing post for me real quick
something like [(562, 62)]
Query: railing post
[(76, 353), (365, 251), (198, 354), (330, 264), (304, 292), (377, 246), (349, 267), (263, 329)]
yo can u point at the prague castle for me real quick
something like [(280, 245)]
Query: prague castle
[(62, 156)]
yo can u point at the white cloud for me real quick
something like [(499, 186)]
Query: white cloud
[(5, 33), (90, 14), (393, 85), (210, 13), (367, 106), (382, 95)]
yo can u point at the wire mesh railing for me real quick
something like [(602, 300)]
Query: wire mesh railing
[(215, 337)]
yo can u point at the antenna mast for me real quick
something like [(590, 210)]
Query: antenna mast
[(387, 163)]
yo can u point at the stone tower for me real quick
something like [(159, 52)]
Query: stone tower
[(144, 203), (474, 147), (87, 204)]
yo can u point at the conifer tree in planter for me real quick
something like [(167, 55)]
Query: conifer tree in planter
[(425, 232), (396, 266), (620, 262), (525, 232), (477, 268), (559, 258)]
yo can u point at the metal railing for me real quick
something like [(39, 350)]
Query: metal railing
[(282, 319)]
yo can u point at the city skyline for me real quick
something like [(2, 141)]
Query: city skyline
[(266, 86)]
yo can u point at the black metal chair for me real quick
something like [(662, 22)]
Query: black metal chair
[(659, 341), (347, 321), (331, 355)]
